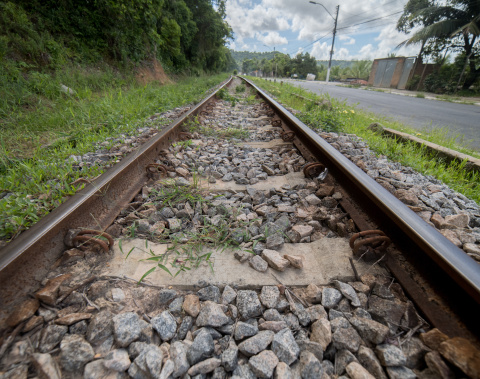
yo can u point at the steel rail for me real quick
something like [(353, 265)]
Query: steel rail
[(462, 268), (25, 260)]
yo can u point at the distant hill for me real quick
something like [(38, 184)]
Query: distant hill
[(340, 63), (240, 56)]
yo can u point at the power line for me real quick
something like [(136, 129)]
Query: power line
[(373, 19), (358, 14), (291, 51), (311, 43), (376, 24), (346, 32)]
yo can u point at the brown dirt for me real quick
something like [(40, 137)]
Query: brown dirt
[(152, 71)]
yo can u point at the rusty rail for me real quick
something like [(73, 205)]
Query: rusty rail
[(96, 206), (453, 260), (372, 206), (28, 258)]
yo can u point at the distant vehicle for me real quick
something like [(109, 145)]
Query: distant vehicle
[(311, 77)]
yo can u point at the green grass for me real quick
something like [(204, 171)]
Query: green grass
[(35, 179), (455, 99), (348, 119), (420, 95), (192, 246)]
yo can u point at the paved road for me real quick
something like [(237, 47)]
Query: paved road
[(461, 120)]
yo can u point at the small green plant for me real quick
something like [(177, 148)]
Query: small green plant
[(420, 95), (222, 93), (240, 88), (183, 144), (251, 100), (132, 229), (233, 133), (191, 247)]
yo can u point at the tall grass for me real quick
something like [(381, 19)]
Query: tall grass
[(34, 179)]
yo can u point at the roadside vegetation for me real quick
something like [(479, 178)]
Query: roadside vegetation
[(282, 65), (72, 81), (35, 179), (337, 116), (441, 28)]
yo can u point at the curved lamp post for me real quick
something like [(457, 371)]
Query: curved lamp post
[(334, 32)]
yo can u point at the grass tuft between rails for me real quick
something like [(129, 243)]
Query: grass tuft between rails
[(34, 179), (337, 116)]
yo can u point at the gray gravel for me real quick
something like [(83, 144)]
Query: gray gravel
[(347, 327)]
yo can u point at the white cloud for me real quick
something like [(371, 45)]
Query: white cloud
[(321, 51), (367, 52), (347, 40), (272, 39), (299, 51), (342, 54), (276, 22), (246, 22), (389, 38), (387, 41)]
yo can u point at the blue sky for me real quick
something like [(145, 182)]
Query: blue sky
[(365, 30)]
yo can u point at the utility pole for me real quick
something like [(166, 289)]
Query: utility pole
[(334, 32), (275, 60), (333, 42)]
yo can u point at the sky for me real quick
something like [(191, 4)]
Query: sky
[(365, 29)]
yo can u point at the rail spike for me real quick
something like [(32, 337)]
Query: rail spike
[(379, 242), (153, 168), (90, 236), (313, 170), (288, 136), (185, 136)]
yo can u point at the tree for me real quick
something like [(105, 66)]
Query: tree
[(250, 65), (453, 25), (360, 69), (180, 33), (213, 31), (304, 64)]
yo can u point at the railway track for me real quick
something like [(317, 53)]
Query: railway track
[(237, 195)]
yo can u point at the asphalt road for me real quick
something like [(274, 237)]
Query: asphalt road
[(461, 121)]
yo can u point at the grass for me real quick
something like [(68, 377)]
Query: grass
[(420, 95), (351, 120), (225, 133), (34, 179), (194, 244), (454, 99)]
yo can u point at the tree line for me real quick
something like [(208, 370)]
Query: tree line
[(282, 65), (179, 33)]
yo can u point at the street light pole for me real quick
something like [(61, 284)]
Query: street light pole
[(334, 32), (333, 42), (275, 60)]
